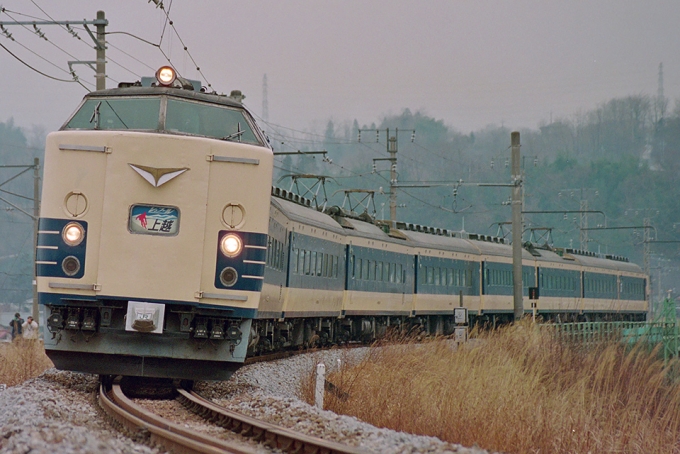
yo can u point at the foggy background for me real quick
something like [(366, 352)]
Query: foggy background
[(468, 63)]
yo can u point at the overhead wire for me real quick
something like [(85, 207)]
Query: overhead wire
[(170, 22), (37, 70)]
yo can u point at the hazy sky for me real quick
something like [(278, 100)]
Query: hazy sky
[(468, 63)]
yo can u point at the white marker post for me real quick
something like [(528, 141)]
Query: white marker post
[(320, 381)]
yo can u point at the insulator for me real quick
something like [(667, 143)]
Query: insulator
[(413, 136), (535, 162), (72, 31), (374, 168), (507, 162), (394, 167), (377, 136), (6, 32), (359, 136), (492, 163)]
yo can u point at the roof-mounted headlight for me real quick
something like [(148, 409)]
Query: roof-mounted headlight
[(166, 76)]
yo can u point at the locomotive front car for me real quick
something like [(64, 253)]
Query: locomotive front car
[(153, 232)]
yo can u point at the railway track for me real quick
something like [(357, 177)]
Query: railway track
[(178, 439)]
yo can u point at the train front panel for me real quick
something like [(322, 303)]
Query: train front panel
[(151, 251)]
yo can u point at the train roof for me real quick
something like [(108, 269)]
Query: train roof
[(300, 213), (441, 242), (602, 262), (299, 209), (212, 98)]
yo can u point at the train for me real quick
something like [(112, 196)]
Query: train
[(164, 251)]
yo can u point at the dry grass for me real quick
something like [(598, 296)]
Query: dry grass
[(517, 390), (21, 360)]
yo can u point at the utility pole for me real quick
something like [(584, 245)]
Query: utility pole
[(100, 76), (99, 41), (392, 148), (265, 101), (36, 222), (583, 214), (518, 304)]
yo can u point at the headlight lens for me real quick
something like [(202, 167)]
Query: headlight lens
[(231, 245), (165, 75), (70, 265), (228, 277), (73, 234)]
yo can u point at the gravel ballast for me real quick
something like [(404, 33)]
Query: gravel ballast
[(57, 412)]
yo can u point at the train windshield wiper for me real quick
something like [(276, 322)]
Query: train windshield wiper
[(239, 132), (95, 115)]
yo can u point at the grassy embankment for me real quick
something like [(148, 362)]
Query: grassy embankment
[(21, 360), (517, 390)]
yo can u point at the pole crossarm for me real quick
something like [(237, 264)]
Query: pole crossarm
[(98, 22), (58, 22), (630, 227), (433, 184), (288, 153), (99, 40)]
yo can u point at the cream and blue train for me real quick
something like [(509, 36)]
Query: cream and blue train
[(163, 251)]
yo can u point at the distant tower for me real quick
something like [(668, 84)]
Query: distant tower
[(661, 103), (265, 103)]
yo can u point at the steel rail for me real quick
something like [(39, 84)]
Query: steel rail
[(169, 435), (269, 434)]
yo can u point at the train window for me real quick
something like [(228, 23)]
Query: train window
[(379, 271), (308, 257), (371, 270), (398, 272), (430, 277), (117, 113), (312, 263), (294, 261), (336, 260), (436, 276), (319, 263), (301, 261), (392, 271), (364, 269), (208, 121)]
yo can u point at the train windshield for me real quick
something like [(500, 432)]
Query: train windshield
[(208, 120), (181, 117), (117, 113)]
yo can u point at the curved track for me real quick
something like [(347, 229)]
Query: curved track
[(180, 440)]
